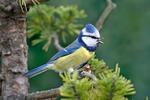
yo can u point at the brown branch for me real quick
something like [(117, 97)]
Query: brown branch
[(48, 94), (56, 42), (106, 12)]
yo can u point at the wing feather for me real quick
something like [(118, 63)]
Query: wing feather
[(66, 51)]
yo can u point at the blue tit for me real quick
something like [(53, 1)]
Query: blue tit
[(78, 52)]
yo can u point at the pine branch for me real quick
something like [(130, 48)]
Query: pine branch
[(106, 12), (56, 42), (48, 94)]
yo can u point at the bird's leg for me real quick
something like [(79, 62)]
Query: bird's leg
[(87, 73)]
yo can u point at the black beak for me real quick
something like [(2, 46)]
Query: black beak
[(99, 41)]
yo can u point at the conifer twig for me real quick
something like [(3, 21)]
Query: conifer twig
[(104, 15)]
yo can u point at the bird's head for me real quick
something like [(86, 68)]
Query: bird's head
[(90, 37)]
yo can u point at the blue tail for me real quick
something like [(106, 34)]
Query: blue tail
[(36, 71)]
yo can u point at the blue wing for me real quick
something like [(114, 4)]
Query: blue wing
[(66, 51)]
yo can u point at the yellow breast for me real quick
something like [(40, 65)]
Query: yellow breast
[(75, 59)]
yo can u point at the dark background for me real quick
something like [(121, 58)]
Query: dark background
[(126, 40)]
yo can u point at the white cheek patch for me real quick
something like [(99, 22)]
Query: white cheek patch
[(89, 41), (96, 34)]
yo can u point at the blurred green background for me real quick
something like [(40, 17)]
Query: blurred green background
[(126, 41)]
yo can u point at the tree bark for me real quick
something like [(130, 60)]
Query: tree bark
[(13, 49)]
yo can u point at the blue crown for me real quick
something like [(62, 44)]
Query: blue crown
[(90, 28)]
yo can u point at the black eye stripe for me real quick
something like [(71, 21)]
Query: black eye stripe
[(93, 37), (90, 36)]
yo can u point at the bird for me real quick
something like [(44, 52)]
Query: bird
[(77, 53)]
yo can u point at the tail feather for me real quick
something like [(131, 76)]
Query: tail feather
[(37, 71)]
